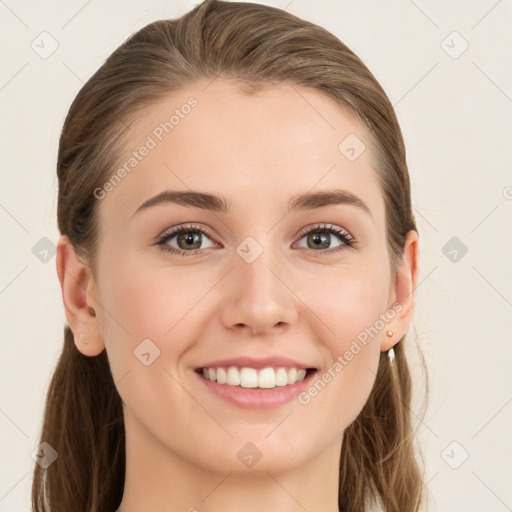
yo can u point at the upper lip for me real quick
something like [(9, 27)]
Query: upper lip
[(258, 363)]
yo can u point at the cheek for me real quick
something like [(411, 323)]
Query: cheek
[(149, 325), (348, 301), (351, 314), (143, 301)]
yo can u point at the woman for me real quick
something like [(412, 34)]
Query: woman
[(238, 262)]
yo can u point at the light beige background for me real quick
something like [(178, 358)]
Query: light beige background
[(456, 116)]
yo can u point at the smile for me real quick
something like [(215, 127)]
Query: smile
[(249, 388), (265, 378)]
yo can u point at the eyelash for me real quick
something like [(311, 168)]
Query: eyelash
[(348, 240)]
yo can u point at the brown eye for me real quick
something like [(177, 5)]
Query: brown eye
[(319, 238), (188, 240)]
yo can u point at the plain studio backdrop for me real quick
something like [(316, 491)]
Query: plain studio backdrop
[(445, 66)]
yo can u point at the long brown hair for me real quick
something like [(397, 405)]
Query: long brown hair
[(83, 418)]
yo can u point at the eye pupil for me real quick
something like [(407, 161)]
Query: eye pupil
[(189, 239), (317, 238)]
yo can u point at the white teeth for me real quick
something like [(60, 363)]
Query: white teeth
[(266, 378), (221, 376), (249, 378), (233, 378), (281, 377)]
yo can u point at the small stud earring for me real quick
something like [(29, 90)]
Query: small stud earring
[(390, 333), (80, 337)]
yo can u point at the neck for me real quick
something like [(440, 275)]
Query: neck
[(158, 478)]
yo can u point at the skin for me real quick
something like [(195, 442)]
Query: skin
[(258, 151)]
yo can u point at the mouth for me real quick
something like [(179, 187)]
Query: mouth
[(247, 377)]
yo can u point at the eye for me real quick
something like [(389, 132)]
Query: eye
[(319, 237), (188, 237)]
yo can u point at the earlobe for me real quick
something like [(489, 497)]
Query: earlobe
[(405, 284), (76, 281)]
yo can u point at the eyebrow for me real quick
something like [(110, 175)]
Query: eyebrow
[(219, 204)]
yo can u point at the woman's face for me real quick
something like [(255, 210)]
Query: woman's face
[(258, 286)]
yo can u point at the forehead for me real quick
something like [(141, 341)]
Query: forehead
[(254, 149)]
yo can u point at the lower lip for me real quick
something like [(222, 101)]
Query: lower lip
[(257, 398)]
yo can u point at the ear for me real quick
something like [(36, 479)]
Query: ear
[(78, 295), (403, 293)]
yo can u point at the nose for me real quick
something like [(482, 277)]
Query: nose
[(258, 297)]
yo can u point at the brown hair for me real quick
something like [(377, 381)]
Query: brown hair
[(257, 44)]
